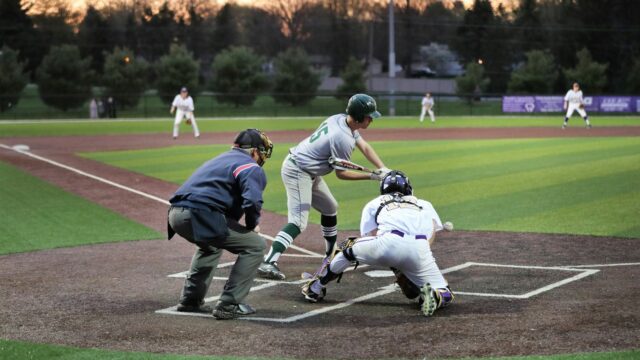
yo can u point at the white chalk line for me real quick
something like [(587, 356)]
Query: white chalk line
[(602, 265), (392, 288), (582, 273), (126, 188)]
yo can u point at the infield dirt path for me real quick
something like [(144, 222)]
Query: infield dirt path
[(105, 295)]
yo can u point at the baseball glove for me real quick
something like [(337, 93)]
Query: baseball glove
[(581, 106), (188, 122)]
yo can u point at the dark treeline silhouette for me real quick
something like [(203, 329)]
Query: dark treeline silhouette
[(333, 31)]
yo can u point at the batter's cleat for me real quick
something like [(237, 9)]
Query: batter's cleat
[(428, 300), (190, 308), (312, 296), (564, 126), (270, 271), (228, 311), (588, 126)]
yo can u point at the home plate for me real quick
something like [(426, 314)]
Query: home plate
[(379, 273)]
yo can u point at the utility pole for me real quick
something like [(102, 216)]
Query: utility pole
[(392, 62)]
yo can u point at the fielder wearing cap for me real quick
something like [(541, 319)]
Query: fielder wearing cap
[(573, 101), (183, 106), (303, 170), (205, 211)]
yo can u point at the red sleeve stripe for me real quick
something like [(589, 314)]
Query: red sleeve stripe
[(242, 168)]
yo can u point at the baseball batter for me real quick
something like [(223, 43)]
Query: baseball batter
[(573, 101), (427, 107), (303, 170), (397, 230), (183, 107)]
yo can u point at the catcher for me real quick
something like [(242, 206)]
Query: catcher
[(404, 228)]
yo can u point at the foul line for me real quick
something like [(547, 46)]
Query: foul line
[(126, 188), (601, 265)]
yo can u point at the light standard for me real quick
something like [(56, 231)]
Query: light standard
[(392, 62)]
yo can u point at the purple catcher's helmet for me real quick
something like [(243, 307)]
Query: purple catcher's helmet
[(395, 182)]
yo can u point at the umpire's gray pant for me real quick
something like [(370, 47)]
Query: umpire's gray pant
[(248, 245)]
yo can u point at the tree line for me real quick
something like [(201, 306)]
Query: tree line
[(539, 46)]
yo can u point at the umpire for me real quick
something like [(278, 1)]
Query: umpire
[(205, 210)]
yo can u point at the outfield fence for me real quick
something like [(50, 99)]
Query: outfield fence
[(208, 104)]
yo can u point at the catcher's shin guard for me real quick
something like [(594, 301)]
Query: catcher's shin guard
[(408, 288)]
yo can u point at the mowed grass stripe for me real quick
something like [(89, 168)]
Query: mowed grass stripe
[(13, 349), (37, 215), (164, 125), (492, 162), (530, 203), (484, 188), (615, 215), (479, 184)]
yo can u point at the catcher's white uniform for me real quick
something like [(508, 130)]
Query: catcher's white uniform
[(184, 108), (401, 240), (427, 106)]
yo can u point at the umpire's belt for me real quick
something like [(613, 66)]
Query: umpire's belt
[(401, 234)]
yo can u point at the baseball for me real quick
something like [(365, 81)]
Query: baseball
[(448, 226)]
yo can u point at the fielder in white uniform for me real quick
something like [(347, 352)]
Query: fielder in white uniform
[(427, 107), (183, 107), (397, 230), (573, 101), (306, 164)]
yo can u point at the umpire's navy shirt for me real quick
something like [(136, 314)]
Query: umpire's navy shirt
[(231, 183)]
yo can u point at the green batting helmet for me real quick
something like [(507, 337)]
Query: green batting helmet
[(361, 105)]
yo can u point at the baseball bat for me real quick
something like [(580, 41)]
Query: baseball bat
[(342, 164)]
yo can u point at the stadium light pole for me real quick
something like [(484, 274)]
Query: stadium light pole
[(392, 61)]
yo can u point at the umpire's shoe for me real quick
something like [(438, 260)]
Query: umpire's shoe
[(194, 308), (270, 271), (228, 311)]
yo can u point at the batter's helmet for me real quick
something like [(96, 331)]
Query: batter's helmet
[(395, 182), (254, 138), (361, 105)]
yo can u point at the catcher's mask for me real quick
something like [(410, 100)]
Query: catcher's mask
[(395, 182), (255, 139), (362, 105)]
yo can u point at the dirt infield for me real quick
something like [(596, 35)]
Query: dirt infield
[(517, 293)]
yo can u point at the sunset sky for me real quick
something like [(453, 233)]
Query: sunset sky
[(81, 5)]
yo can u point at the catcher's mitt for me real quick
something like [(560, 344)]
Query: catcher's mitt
[(188, 122)]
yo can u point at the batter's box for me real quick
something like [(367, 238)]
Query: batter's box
[(553, 280)]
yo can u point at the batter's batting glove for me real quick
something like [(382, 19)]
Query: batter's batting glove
[(379, 174), (376, 176)]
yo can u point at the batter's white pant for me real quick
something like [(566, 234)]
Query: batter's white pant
[(575, 107), (431, 115), (304, 192), (410, 255), (181, 115)]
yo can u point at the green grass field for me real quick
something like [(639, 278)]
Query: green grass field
[(30, 106), (530, 185), (36, 215), (102, 127), (564, 185), (29, 351)]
